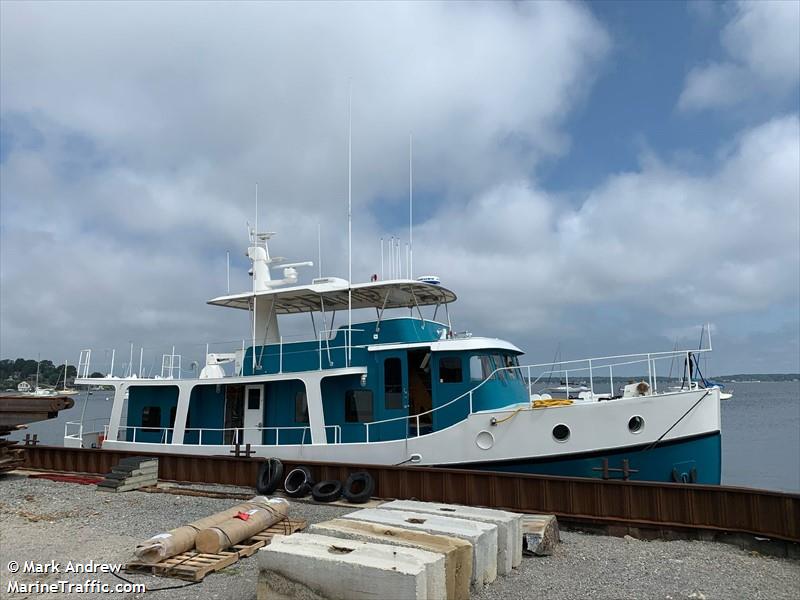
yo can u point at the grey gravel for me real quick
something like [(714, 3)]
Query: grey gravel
[(42, 520)]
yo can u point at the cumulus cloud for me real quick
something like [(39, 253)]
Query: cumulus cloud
[(763, 57), (133, 135), (661, 239)]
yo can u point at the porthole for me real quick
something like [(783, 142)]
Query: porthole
[(636, 424), (561, 433)]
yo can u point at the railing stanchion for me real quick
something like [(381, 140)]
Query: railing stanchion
[(280, 361), (649, 373), (655, 378), (688, 371), (591, 378), (530, 385), (566, 381), (470, 402), (417, 425), (367, 424), (611, 378)]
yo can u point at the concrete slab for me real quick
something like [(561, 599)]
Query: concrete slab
[(339, 569), (482, 536), (457, 552), (509, 526), (540, 534)]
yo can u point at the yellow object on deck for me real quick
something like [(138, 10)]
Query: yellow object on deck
[(550, 403)]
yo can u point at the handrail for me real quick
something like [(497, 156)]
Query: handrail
[(469, 393), (337, 431)]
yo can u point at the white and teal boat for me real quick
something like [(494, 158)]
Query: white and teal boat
[(403, 388)]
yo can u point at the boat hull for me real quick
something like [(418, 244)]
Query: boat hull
[(692, 460), (677, 439)]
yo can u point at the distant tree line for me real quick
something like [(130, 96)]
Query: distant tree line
[(13, 372)]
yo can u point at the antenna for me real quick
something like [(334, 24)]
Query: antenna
[(255, 300), (319, 248), (410, 254), (382, 277), (349, 221)]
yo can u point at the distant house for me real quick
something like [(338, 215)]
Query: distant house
[(24, 386)]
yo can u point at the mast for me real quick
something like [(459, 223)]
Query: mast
[(410, 257), (349, 222)]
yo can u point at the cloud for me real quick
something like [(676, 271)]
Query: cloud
[(664, 240), (133, 136), (762, 43)]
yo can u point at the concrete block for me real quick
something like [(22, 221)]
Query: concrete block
[(457, 552), (540, 534), (482, 536), (509, 526), (318, 566)]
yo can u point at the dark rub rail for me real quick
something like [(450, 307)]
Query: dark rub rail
[(661, 506)]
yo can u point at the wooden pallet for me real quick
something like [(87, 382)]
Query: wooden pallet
[(194, 566)]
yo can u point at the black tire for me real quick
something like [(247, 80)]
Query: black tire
[(270, 475), (359, 487), (298, 482), (327, 491)]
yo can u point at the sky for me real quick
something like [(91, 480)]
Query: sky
[(589, 178)]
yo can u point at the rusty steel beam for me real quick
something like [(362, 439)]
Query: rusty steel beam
[(605, 502)]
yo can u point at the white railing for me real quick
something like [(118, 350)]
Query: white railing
[(590, 365), (77, 429), (163, 362), (239, 436)]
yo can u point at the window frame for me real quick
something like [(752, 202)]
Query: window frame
[(393, 400), (147, 413), (460, 369), (352, 396), (298, 403)]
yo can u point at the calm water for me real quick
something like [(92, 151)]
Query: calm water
[(760, 433)]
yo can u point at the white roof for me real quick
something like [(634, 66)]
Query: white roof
[(399, 293), (451, 345)]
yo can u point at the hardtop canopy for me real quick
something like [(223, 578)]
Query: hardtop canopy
[(331, 294)]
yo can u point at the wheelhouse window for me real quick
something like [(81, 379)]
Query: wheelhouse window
[(151, 418), (300, 408), (500, 364), (450, 370), (511, 363), (480, 367), (358, 406), (392, 384)]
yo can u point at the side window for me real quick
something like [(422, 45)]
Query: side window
[(254, 398), (480, 367), (151, 417), (358, 406), (392, 384), (486, 366), (475, 368), (450, 370), (300, 408)]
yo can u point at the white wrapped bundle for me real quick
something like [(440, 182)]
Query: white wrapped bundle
[(175, 541)]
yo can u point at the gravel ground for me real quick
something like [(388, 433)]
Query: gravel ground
[(42, 520)]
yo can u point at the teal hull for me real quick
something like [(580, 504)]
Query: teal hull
[(691, 460)]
